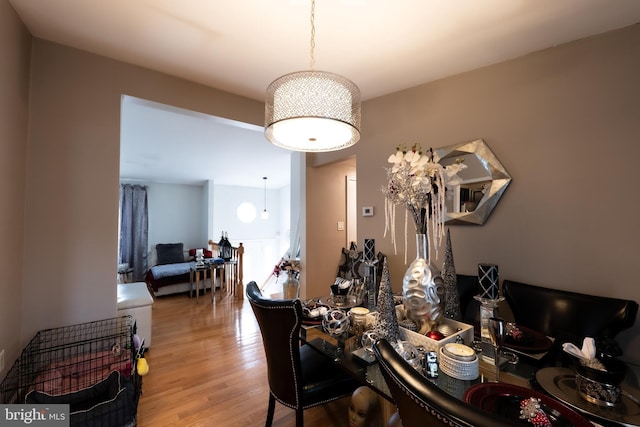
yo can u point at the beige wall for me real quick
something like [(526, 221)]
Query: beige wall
[(565, 122), (15, 43), (73, 174), (326, 205)]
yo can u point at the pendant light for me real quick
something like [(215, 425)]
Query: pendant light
[(265, 214), (312, 110)]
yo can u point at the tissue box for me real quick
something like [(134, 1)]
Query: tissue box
[(465, 332)]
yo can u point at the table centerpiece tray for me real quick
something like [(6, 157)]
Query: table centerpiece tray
[(561, 384)]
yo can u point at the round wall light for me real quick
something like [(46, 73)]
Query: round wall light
[(246, 212)]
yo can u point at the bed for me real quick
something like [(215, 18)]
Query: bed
[(171, 270), (163, 275)]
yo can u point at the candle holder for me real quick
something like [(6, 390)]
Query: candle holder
[(489, 296), (488, 309), (371, 285), (369, 260), (488, 279), (369, 252)]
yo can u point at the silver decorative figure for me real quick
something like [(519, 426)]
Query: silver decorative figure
[(452, 299)]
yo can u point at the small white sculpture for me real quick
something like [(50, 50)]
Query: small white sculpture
[(199, 258)]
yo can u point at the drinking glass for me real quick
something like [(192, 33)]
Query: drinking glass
[(369, 338), (358, 320), (356, 291), (410, 353), (497, 332)]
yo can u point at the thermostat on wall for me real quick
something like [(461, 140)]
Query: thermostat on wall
[(367, 211)]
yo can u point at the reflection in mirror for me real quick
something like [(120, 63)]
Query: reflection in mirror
[(484, 180)]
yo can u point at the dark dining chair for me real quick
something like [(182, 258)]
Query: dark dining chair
[(468, 287), (569, 316), (299, 376), (421, 403)]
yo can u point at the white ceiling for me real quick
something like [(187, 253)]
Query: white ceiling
[(161, 143), (383, 46)]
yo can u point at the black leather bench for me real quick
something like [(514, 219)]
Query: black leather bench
[(570, 316)]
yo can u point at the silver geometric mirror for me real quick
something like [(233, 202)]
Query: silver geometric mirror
[(484, 180)]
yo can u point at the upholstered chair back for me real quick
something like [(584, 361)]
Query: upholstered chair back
[(300, 377), (280, 322), (420, 402), (569, 316)]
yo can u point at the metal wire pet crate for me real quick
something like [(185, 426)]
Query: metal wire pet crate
[(90, 366)]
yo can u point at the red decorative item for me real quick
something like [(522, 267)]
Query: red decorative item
[(530, 410), (435, 335), (514, 332), (206, 253)]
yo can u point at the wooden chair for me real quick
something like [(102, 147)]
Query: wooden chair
[(299, 376), (420, 402)]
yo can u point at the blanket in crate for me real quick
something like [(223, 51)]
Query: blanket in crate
[(110, 402), (82, 371), (97, 386)]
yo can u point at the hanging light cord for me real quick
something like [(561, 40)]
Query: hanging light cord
[(313, 34), (265, 193)]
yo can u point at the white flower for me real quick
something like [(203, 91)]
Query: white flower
[(396, 158), (287, 265), (290, 264), (418, 182)]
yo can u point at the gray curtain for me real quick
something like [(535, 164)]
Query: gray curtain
[(134, 231)]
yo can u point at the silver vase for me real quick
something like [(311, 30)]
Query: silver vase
[(291, 286), (423, 291)]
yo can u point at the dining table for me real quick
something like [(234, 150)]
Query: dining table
[(530, 372)]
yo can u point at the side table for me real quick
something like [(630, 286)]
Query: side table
[(219, 268), (196, 270)]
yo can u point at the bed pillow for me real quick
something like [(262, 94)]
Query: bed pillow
[(169, 253), (206, 253)]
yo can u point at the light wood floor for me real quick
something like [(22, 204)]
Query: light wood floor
[(207, 368)]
